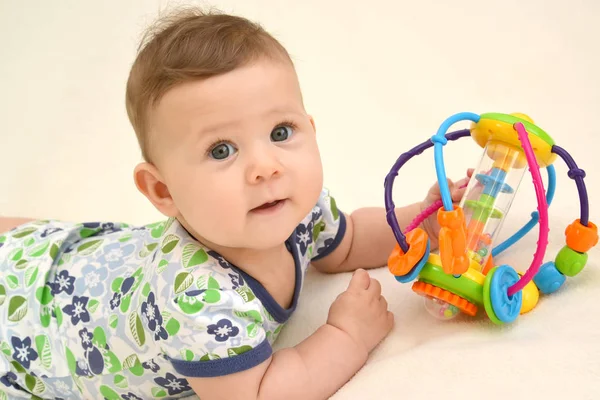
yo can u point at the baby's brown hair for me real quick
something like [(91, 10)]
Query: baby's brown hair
[(188, 45)]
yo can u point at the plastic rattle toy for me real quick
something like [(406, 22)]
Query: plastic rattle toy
[(463, 277)]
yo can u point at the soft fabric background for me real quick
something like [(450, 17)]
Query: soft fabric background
[(379, 77)]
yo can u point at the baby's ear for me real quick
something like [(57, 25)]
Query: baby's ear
[(150, 183), (312, 122)]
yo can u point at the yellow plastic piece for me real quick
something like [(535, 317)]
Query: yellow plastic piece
[(531, 296), (492, 130)]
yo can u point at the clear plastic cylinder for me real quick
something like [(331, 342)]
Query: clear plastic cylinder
[(489, 196)]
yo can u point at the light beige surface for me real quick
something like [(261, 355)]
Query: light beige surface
[(379, 77)]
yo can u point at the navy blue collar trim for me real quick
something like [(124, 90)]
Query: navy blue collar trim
[(279, 313)]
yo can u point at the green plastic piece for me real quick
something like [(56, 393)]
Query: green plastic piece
[(461, 286), (570, 262), (482, 211), (511, 119), (487, 301)]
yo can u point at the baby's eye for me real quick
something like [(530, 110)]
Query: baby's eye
[(281, 133), (222, 151)]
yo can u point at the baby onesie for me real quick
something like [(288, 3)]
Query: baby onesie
[(109, 310)]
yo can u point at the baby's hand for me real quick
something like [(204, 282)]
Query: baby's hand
[(362, 312), (457, 190)]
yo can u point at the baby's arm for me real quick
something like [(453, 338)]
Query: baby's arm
[(7, 223), (368, 240), (317, 367), (314, 369)]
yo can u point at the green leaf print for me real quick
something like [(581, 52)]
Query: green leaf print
[(189, 305), (113, 321), (207, 282), (120, 381), (133, 364), (24, 232), (42, 343), (125, 302), (21, 264), (108, 393), (2, 294), (112, 362), (34, 384), (99, 337), (146, 290), (93, 305), (137, 329), (45, 316), (125, 238), (31, 276), (3, 395), (162, 265), (183, 281), (148, 249), (29, 242), (334, 209), (212, 296), (187, 354), (193, 255), (157, 228), (71, 363), (18, 367), (169, 243), (40, 249), (116, 284), (5, 348), (2, 239), (16, 254), (246, 293), (255, 315), (277, 330), (130, 361), (87, 232), (54, 251), (252, 330), (90, 247), (319, 227), (17, 308), (158, 392), (172, 327), (138, 278), (44, 295), (209, 356), (12, 281), (59, 315), (233, 351)]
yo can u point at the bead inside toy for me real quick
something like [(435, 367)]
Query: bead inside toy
[(489, 196), (440, 309)]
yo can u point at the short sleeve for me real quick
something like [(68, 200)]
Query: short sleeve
[(329, 226), (222, 330)]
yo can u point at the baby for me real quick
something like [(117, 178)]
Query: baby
[(193, 304)]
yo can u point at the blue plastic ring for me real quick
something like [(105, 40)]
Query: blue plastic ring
[(506, 308)]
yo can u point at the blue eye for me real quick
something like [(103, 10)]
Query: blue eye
[(281, 133), (222, 151)]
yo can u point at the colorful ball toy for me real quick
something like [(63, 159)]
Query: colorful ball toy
[(462, 276)]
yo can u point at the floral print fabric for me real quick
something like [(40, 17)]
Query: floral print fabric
[(108, 310)]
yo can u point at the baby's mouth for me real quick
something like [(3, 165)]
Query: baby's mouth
[(269, 206)]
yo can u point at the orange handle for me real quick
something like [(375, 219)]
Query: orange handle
[(453, 241)]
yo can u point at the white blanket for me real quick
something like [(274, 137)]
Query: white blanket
[(551, 352)]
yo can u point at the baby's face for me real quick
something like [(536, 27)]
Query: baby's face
[(239, 155)]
